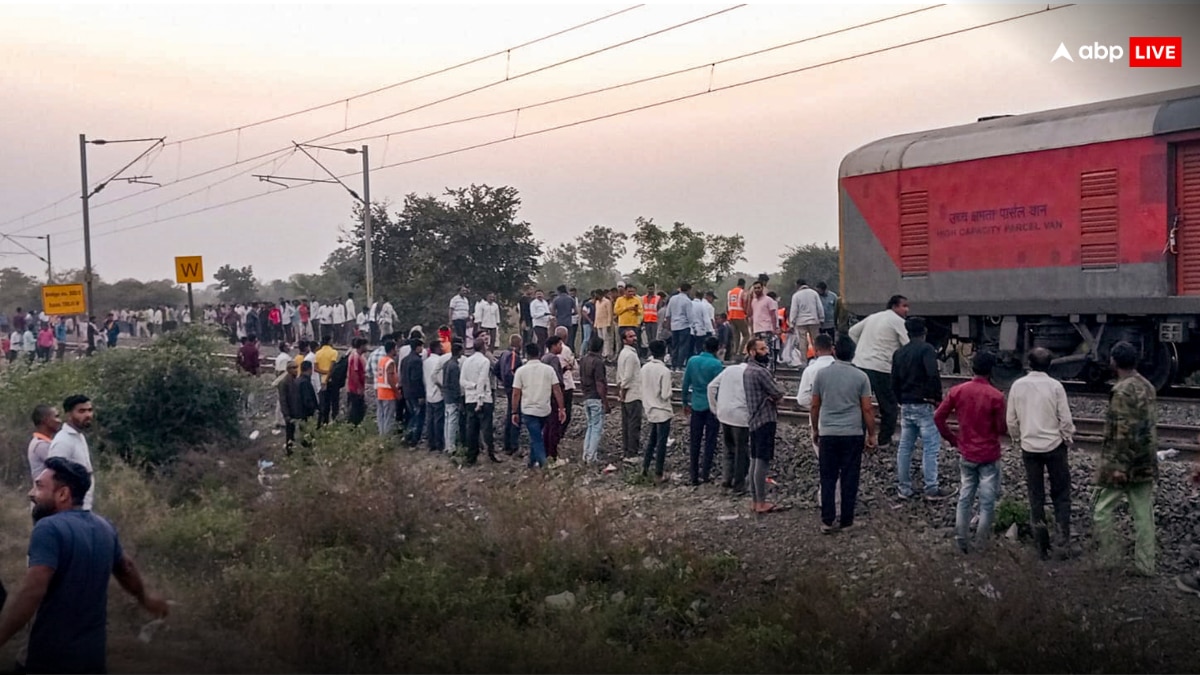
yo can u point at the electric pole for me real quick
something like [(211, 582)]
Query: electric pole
[(87, 225), (88, 277), (367, 227)]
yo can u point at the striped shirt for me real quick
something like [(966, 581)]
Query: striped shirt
[(762, 395)]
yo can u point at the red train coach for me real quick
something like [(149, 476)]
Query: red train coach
[(1070, 229)]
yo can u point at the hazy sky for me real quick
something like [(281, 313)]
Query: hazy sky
[(760, 160)]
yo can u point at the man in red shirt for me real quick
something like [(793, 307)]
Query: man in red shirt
[(247, 362), (356, 381), (248, 359), (980, 410)]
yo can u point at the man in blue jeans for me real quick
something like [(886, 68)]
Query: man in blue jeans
[(534, 385), (701, 370), (918, 388), (594, 380), (980, 410)]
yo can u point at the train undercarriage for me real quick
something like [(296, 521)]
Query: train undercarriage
[(1080, 344)]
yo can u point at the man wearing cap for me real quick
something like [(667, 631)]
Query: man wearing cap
[(918, 387)]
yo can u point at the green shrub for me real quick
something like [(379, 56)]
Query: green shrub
[(1010, 512)]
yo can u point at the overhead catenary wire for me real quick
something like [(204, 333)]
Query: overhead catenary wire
[(412, 80), (711, 65), (441, 71), (514, 135), (627, 111), (391, 115)]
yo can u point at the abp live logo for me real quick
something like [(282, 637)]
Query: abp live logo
[(1144, 52)]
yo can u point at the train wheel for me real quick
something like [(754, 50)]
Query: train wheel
[(1162, 368), (1008, 369)]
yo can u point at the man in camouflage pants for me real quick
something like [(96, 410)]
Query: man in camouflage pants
[(1128, 461)]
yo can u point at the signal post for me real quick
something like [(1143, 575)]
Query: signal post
[(189, 270)]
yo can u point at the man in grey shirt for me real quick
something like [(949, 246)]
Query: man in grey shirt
[(840, 411), (564, 308)]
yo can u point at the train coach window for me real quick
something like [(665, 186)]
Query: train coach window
[(914, 234), (1098, 219)]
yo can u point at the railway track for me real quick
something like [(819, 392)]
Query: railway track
[(1089, 431)]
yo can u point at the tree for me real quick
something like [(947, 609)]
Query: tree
[(560, 266), (136, 294), (599, 249), (671, 257), (432, 246), (813, 263), (18, 289), (588, 262), (237, 285)]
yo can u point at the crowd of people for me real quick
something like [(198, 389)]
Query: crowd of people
[(302, 319), (441, 390), (34, 337)]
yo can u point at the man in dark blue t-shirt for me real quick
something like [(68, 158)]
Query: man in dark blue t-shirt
[(564, 308), (72, 552)]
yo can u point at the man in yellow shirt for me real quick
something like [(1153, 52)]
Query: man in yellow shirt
[(628, 311), (324, 359)]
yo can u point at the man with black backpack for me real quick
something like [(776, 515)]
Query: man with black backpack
[(332, 401)]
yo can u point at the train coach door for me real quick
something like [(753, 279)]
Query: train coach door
[(1185, 220)]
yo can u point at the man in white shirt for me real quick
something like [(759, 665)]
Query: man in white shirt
[(29, 344), (338, 319), (570, 369), (823, 358), (281, 362), (157, 320), (351, 318), (460, 310), (539, 311), (701, 323), (387, 317), (806, 314), (325, 322), (877, 337), (286, 311), (310, 355), (487, 317), (1039, 421), (656, 401), (727, 397), (70, 443), (435, 402), (476, 381), (629, 387), (534, 385), (314, 320)]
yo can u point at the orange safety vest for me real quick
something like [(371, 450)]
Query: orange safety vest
[(650, 308), (783, 324), (383, 388), (733, 304)]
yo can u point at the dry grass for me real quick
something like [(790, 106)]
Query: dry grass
[(369, 559)]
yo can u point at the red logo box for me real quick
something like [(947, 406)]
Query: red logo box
[(1156, 52)]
